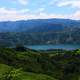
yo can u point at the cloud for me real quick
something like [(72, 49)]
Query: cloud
[(75, 15), (24, 14), (13, 15), (12, 11), (72, 3), (22, 2), (39, 10), (44, 15)]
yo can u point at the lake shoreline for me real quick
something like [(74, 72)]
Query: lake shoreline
[(52, 47)]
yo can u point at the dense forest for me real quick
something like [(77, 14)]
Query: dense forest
[(40, 31), (22, 63)]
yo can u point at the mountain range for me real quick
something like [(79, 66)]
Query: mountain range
[(40, 31)]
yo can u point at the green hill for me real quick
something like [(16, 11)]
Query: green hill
[(6, 72), (26, 64)]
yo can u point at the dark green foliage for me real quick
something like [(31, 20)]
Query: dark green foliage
[(60, 64), (67, 36), (20, 47)]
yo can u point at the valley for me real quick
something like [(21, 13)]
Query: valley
[(40, 49)]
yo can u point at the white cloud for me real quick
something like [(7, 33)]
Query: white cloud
[(72, 3), (75, 15), (13, 15), (24, 14), (12, 11), (44, 15), (23, 2), (39, 10)]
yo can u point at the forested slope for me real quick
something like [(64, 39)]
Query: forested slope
[(47, 65)]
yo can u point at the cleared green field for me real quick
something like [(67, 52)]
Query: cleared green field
[(6, 72)]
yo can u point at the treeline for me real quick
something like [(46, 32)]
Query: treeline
[(10, 39)]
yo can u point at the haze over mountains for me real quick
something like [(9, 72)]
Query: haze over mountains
[(40, 31), (27, 25)]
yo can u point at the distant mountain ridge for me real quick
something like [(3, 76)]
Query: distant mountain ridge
[(25, 25), (40, 31)]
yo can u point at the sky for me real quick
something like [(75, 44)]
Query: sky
[(12, 10)]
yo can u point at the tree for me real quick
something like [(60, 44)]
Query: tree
[(20, 47), (12, 74)]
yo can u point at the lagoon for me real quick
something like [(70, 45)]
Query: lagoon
[(57, 46)]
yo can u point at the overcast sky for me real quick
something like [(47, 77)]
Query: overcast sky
[(11, 10)]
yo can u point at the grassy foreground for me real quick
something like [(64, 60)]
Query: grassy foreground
[(26, 64), (8, 73)]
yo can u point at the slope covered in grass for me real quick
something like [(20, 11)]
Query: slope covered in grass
[(3, 69), (44, 65), (7, 72), (31, 76)]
